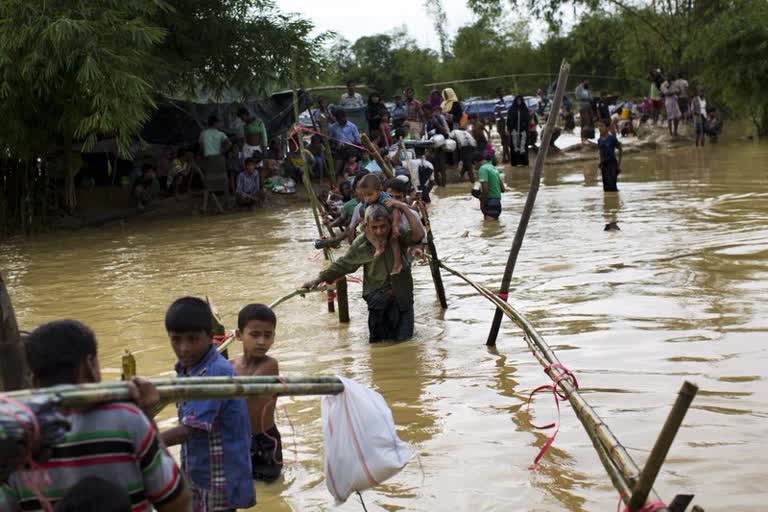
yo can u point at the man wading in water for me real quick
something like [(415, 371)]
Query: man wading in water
[(389, 297)]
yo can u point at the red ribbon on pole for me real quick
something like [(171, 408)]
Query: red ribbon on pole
[(564, 374)]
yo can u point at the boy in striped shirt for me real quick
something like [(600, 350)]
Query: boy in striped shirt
[(113, 441)]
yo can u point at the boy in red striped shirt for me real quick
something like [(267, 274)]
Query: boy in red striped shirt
[(113, 441)]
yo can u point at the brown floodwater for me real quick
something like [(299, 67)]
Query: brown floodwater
[(681, 292)]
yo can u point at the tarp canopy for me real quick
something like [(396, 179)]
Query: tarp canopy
[(179, 123)]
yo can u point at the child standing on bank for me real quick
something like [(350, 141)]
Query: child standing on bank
[(215, 435), (256, 325)]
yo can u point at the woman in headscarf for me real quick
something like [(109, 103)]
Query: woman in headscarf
[(518, 119), (451, 106), (375, 111)]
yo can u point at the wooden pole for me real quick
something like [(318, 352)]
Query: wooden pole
[(190, 388), (385, 167), (434, 261), (661, 448), (327, 153), (602, 438), (307, 179), (342, 297), (14, 372), (530, 200)]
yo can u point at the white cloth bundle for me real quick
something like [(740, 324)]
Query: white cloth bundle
[(361, 447)]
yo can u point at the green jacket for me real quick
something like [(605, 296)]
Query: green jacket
[(376, 272)]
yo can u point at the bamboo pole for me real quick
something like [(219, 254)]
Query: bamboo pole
[(327, 153), (538, 167), (307, 179), (385, 167), (618, 461), (191, 388), (14, 373), (342, 298), (661, 447), (434, 261)]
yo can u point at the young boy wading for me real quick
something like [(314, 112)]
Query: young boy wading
[(389, 297), (215, 435), (256, 329)]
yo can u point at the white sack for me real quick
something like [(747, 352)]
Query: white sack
[(437, 141), (450, 146), (361, 447)]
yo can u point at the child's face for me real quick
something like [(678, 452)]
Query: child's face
[(190, 347), (396, 195), (368, 195), (257, 337)]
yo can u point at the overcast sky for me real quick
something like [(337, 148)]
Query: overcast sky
[(356, 18)]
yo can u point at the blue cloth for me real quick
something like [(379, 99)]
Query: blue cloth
[(398, 111), (607, 146), (347, 133), (383, 196), (432, 126), (223, 437), (248, 184), (373, 166)]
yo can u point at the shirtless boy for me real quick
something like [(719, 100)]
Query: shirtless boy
[(256, 329)]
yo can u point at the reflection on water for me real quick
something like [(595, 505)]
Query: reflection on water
[(678, 293)]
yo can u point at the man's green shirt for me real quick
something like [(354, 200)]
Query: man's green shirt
[(376, 271)]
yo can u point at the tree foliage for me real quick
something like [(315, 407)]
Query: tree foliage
[(72, 70), (736, 43), (217, 46)]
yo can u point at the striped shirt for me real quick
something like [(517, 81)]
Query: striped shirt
[(112, 441)]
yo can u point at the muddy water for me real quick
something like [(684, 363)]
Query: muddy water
[(679, 293)]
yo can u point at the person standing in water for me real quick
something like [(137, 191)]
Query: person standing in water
[(491, 185), (518, 119), (699, 113), (610, 166)]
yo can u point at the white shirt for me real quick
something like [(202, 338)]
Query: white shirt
[(352, 101), (703, 106)]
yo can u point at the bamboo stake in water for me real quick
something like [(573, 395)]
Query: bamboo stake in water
[(14, 373), (434, 261), (661, 448), (310, 190), (327, 153), (531, 199)]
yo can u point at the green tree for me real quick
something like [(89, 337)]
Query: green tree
[(73, 70), (217, 46), (735, 46)]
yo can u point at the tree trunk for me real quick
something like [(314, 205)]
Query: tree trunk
[(760, 120), (14, 372), (70, 195)]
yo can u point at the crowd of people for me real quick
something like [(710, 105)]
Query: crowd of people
[(669, 101), (234, 168)]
